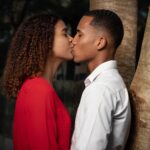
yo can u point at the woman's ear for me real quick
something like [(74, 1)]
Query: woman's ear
[(101, 44)]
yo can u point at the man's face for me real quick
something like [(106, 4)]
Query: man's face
[(85, 41)]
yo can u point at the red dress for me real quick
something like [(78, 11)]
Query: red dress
[(41, 122)]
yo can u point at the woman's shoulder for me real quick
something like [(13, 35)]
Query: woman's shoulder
[(36, 92), (37, 84)]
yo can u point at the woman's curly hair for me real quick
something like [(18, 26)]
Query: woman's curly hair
[(28, 52)]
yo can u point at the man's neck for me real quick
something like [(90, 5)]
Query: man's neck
[(104, 57)]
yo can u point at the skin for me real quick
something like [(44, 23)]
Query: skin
[(62, 43), (92, 45), (61, 52)]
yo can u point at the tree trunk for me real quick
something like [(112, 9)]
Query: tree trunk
[(127, 10), (140, 90)]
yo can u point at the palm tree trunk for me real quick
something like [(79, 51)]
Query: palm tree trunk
[(127, 10), (140, 89)]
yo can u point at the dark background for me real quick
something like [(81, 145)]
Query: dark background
[(12, 12)]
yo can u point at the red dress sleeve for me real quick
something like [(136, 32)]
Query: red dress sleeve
[(34, 121)]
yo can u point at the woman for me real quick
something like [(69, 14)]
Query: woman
[(38, 48)]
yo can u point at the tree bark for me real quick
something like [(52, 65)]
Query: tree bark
[(140, 90), (127, 10)]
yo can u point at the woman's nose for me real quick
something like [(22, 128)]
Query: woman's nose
[(70, 38), (74, 41)]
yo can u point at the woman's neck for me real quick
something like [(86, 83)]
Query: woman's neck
[(51, 70)]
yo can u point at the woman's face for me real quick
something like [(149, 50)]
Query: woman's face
[(62, 42)]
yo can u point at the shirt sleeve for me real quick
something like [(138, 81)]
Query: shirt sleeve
[(94, 120), (40, 123)]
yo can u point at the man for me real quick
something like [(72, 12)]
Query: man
[(103, 116)]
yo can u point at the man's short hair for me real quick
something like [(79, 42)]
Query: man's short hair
[(110, 21)]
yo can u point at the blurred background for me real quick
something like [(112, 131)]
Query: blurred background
[(69, 80)]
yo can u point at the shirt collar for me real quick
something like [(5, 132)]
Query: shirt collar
[(112, 64)]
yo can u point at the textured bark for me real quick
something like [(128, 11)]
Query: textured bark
[(127, 10), (140, 90)]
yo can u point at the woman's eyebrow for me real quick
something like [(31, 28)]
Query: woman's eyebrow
[(65, 29)]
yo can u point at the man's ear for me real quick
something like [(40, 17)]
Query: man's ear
[(101, 43)]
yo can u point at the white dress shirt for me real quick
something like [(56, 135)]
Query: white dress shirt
[(103, 116)]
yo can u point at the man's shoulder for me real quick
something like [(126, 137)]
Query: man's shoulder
[(106, 94), (112, 80)]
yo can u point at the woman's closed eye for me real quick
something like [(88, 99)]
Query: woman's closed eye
[(65, 34)]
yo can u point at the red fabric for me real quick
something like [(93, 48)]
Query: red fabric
[(41, 122)]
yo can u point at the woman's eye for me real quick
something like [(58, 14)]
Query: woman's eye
[(65, 34)]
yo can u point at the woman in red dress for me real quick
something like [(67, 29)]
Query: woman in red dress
[(41, 122)]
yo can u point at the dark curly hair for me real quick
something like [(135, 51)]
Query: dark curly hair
[(29, 49)]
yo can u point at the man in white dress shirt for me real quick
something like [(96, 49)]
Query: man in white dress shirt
[(103, 116)]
